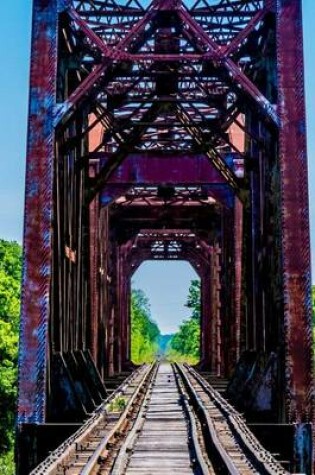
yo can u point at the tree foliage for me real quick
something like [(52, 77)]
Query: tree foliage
[(193, 299), (185, 344), (144, 332), (10, 282), (10, 276)]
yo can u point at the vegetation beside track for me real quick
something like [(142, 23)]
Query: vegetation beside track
[(10, 277), (144, 332), (185, 344)]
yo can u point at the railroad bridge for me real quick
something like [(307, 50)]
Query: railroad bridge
[(166, 130)]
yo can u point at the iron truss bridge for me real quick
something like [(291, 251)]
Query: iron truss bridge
[(171, 130)]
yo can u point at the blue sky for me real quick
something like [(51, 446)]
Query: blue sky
[(165, 284)]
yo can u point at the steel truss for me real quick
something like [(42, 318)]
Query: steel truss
[(179, 116)]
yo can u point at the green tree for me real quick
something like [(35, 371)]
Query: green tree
[(185, 344), (10, 282), (144, 332), (10, 276), (193, 299)]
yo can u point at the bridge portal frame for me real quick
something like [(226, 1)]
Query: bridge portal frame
[(294, 245)]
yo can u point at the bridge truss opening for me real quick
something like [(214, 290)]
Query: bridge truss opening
[(172, 123), (173, 292)]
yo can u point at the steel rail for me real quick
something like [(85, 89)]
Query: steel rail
[(203, 467), (239, 428), (260, 458), (197, 458), (69, 446), (94, 460), (216, 452), (121, 460)]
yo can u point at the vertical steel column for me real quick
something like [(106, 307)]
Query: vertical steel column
[(207, 316), (94, 228), (128, 321), (121, 304), (117, 309), (104, 317), (253, 244), (36, 282), (295, 214), (110, 367), (299, 395), (238, 233), (216, 311), (111, 310), (124, 303)]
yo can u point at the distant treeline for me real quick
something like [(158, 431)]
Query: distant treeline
[(146, 341), (144, 332), (185, 344)]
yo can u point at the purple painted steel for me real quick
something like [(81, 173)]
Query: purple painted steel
[(107, 52), (214, 53), (295, 215), (207, 315), (63, 109), (216, 337), (94, 224), (176, 168), (38, 216), (238, 239), (86, 86), (228, 49), (112, 193), (233, 69)]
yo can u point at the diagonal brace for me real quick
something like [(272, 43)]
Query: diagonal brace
[(234, 71), (118, 157), (211, 153)]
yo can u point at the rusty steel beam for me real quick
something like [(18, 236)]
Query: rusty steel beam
[(36, 282), (119, 156), (207, 314), (238, 239), (233, 69), (145, 168), (85, 88), (258, 17), (295, 215), (95, 261)]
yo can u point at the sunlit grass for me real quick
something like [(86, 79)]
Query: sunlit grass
[(117, 405)]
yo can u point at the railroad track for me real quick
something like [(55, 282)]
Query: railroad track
[(231, 446), (102, 430), (172, 422)]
